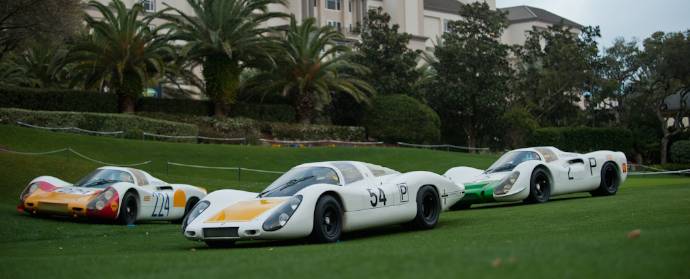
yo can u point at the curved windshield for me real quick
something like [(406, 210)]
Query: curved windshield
[(510, 160), (102, 178), (299, 178)]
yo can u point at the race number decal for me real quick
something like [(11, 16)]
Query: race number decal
[(404, 195), (592, 165), (375, 198), (161, 205)]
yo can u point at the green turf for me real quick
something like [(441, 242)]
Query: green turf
[(571, 237)]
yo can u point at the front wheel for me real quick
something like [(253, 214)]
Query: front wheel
[(610, 180), (540, 187), (128, 209), (328, 220), (428, 208)]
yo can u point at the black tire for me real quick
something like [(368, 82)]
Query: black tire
[(610, 180), (220, 243), (328, 220), (460, 206), (428, 208), (188, 208), (128, 209), (539, 186)]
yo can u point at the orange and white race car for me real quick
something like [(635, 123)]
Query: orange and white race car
[(126, 195)]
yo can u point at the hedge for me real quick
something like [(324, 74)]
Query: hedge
[(290, 131), (583, 139), (680, 152), (58, 100), (394, 118), (75, 100), (132, 125), (216, 127)]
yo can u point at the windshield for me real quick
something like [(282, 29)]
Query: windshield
[(510, 160), (102, 178), (299, 178)]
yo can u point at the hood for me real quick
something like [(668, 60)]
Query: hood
[(488, 178), (244, 211), (52, 194)]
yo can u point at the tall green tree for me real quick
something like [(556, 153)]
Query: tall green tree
[(472, 70), (383, 49), (557, 66), (312, 66), (618, 67), (665, 72), (225, 36), (121, 52)]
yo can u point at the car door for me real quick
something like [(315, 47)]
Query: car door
[(575, 171)]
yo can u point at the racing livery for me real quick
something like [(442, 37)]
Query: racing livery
[(535, 174), (124, 194), (322, 200)]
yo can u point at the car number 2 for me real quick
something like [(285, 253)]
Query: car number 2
[(161, 205), (376, 198)]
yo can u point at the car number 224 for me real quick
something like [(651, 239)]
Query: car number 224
[(161, 205)]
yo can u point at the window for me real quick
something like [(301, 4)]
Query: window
[(380, 171), (333, 4), (446, 28), (350, 172), (149, 5), (335, 24), (349, 5)]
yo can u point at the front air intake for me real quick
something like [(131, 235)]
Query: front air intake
[(229, 232)]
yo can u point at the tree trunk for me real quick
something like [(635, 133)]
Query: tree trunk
[(222, 76), (127, 104), (218, 109), (664, 148), (304, 108)]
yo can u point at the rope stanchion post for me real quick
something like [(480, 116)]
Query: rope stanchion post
[(239, 174)]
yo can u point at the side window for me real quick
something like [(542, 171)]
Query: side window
[(379, 170), (350, 172), (140, 177), (549, 155)]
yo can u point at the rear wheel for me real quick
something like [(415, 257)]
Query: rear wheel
[(128, 209), (428, 208), (610, 180), (328, 220), (220, 243), (540, 186)]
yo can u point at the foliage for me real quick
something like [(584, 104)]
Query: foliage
[(583, 139), (42, 65), (680, 152), (400, 118), (312, 66), (57, 99), (298, 131), (556, 67), (383, 49), (616, 72), (132, 125), (472, 70), (121, 52), (23, 21), (224, 36), (215, 127), (519, 126)]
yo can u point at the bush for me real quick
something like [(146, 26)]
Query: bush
[(216, 127), (264, 112), (680, 152), (289, 131), (175, 106), (519, 126), (395, 118), (57, 99), (583, 139), (132, 125)]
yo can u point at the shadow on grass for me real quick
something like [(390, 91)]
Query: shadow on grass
[(519, 203)]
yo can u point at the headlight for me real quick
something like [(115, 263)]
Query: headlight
[(102, 199), (281, 216), (28, 190), (199, 208), (506, 184)]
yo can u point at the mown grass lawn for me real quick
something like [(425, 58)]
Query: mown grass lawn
[(570, 237)]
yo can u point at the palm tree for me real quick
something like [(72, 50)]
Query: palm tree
[(225, 36), (41, 66), (121, 52), (312, 66)]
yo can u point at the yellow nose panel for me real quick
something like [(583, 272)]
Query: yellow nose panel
[(244, 211)]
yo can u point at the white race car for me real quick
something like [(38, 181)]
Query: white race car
[(535, 174), (112, 193), (322, 200)]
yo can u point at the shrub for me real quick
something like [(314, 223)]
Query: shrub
[(395, 118), (175, 106), (264, 112), (289, 131), (216, 127), (132, 125), (680, 152), (583, 139), (519, 126), (57, 99)]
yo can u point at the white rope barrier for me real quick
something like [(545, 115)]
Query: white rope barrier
[(69, 129), (34, 153), (223, 168), (75, 153), (442, 146), (192, 137), (320, 142), (661, 172)]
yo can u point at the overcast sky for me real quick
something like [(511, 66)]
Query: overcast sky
[(618, 18)]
